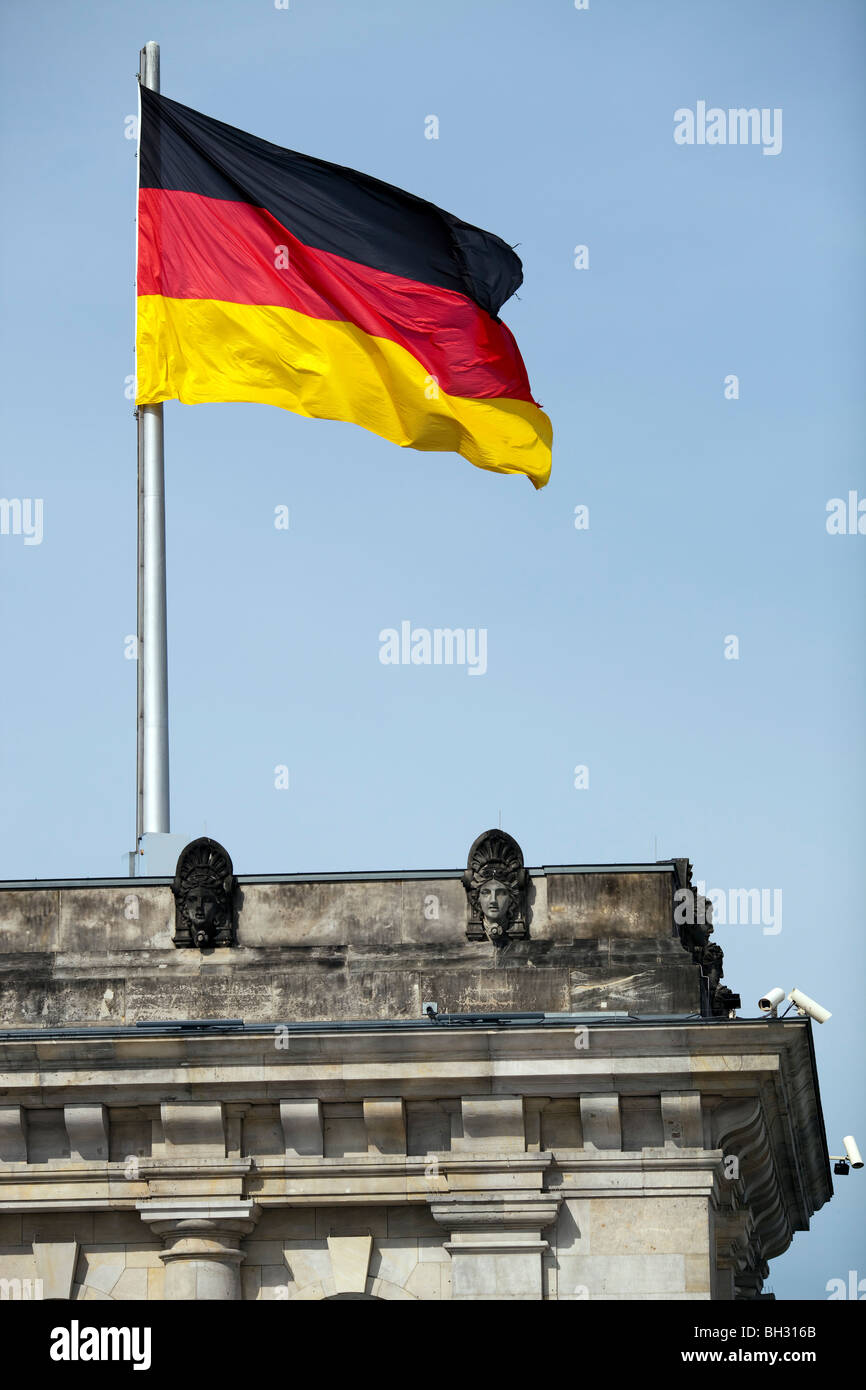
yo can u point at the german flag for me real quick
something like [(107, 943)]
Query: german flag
[(265, 275)]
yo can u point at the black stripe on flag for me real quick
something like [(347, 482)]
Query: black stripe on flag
[(324, 205)]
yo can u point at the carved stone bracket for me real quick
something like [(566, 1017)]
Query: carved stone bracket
[(13, 1134), (496, 889), (747, 1242)]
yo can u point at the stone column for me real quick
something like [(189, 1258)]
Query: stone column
[(496, 1244), (202, 1240)]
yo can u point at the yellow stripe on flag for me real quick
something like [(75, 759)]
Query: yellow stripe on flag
[(206, 350)]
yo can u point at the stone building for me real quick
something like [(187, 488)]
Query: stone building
[(497, 1083)]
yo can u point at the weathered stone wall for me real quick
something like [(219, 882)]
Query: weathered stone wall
[(603, 1249), (292, 1254), (316, 950), (617, 1248)]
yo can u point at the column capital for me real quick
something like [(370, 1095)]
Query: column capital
[(496, 1247), (202, 1244), (166, 1215)]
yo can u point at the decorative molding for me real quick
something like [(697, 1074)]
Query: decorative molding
[(200, 1212)]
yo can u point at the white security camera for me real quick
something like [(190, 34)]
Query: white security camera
[(851, 1158), (807, 1007), (771, 1000)]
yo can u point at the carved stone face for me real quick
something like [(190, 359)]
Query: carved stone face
[(203, 889), (494, 900), (496, 884), (201, 906)]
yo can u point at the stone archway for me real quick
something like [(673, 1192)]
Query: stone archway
[(324, 1290)]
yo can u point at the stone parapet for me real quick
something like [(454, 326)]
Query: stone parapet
[(592, 938)]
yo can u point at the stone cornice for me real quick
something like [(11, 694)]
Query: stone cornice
[(610, 1036), (544, 1061), (67, 1170), (756, 1082), (372, 1165), (388, 1167), (272, 1180)]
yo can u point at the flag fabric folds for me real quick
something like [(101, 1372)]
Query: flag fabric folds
[(265, 275)]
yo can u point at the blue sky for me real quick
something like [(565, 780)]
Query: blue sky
[(606, 647)]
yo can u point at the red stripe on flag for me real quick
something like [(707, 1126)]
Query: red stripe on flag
[(191, 247)]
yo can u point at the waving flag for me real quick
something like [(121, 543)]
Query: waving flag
[(265, 275)]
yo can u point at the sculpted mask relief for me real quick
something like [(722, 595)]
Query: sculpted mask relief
[(495, 882), (204, 896)]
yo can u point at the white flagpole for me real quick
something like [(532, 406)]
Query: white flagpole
[(152, 793)]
